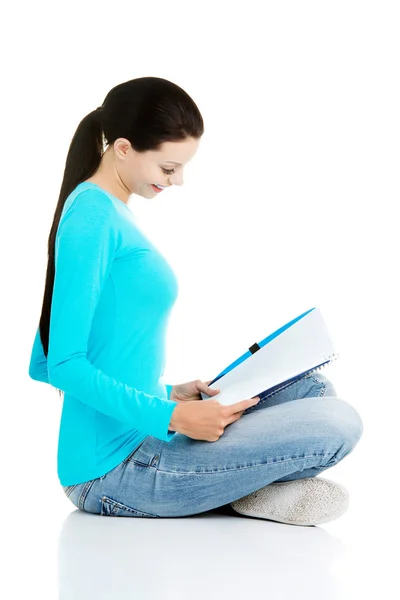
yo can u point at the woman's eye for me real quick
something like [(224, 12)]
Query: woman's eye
[(168, 171)]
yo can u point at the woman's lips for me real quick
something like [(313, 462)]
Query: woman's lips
[(156, 189)]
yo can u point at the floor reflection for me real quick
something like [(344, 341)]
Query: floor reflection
[(212, 555)]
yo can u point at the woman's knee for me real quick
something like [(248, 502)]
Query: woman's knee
[(344, 420)]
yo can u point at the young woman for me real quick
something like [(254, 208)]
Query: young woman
[(129, 445)]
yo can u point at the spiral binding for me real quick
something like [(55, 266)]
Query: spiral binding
[(330, 358)]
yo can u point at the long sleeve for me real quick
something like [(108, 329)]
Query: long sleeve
[(86, 245)]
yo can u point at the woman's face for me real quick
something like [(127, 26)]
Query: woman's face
[(164, 167)]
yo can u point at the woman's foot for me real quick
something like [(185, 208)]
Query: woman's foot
[(308, 501)]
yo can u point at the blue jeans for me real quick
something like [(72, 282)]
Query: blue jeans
[(296, 432)]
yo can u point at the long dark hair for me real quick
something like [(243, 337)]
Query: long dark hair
[(147, 111)]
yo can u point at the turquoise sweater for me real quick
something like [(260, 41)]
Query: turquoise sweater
[(112, 297)]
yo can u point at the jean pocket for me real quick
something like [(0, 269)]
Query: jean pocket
[(112, 508), (147, 453), (130, 456)]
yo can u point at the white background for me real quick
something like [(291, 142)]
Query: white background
[(290, 202)]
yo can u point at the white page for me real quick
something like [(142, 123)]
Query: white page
[(299, 348)]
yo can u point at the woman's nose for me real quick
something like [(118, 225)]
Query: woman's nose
[(176, 179)]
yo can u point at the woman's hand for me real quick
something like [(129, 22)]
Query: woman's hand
[(188, 392)]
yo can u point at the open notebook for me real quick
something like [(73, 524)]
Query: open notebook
[(301, 346)]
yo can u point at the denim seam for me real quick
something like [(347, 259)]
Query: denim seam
[(69, 489), (283, 388), (322, 383), (273, 462), (84, 493), (148, 465)]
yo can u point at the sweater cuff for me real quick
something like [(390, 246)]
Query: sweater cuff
[(169, 390)]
